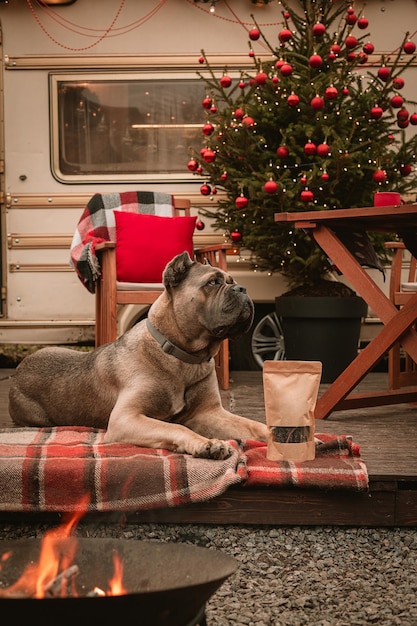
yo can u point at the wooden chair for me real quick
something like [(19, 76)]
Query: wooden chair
[(402, 370), (110, 293)]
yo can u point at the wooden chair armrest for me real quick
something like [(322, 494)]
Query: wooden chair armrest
[(395, 245), (106, 245)]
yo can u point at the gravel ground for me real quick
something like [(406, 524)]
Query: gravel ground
[(292, 576)]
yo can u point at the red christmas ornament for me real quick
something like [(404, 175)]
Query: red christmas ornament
[(236, 236), (331, 93), (242, 84), (225, 81), (254, 34), (345, 91), (208, 129), (201, 60), (351, 56), (409, 47), (398, 82), (205, 190), (413, 119), (199, 170), (325, 176), (306, 195), (335, 48), (403, 123), (275, 79), (362, 23), (261, 78), (239, 113), (368, 48), (202, 151), (209, 156), (331, 56), (319, 29), (317, 103), (248, 121), (403, 114), (285, 35), (241, 202), (270, 186), (362, 58), (323, 149), (207, 102), (310, 148), (251, 54), (303, 179), (406, 169), (351, 42), (279, 64), (192, 165), (315, 61), (282, 152), (286, 69), (200, 225), (376, 112), (384, 73), (351, 18), (293, 100), (223, 176), (213, 109), (396, 102), (379, 176)]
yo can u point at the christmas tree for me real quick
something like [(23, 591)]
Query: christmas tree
[(318, 124)]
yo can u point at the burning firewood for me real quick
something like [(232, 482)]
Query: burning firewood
[(54, 588)]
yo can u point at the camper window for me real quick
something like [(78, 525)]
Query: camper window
[(124, 128)]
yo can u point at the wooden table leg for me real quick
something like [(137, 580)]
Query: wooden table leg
[(363, 283), (332, 398), (397, 328)]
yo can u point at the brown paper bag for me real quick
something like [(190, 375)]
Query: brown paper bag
[(290, 393)]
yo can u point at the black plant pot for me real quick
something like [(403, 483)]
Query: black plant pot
[(325, 329)]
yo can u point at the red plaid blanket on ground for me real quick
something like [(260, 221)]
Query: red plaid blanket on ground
[(55, 469), (97, 224)]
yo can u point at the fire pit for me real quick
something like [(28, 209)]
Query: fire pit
[(163, 584)]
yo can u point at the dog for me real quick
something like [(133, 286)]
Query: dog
[(156, 385)]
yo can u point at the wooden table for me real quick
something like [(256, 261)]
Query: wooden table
[(398, 324)]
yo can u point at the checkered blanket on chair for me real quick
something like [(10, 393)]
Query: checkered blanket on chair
[(97, 224), (59, 469)]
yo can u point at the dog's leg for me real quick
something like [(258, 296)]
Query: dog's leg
[(220, 423), (140, 430), (25, 411)]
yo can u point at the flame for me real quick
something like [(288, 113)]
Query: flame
[(52, 560), (116, 587)]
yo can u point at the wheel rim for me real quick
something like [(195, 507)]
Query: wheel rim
[(268, 340)]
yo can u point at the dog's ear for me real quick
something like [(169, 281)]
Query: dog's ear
[(177, 270)]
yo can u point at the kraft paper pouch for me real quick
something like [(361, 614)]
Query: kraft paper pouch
[(290, 392)]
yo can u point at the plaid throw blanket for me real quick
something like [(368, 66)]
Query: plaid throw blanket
[(58, 469), (97, 224), (337, 465)]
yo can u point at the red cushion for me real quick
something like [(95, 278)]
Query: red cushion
[(146, 243)]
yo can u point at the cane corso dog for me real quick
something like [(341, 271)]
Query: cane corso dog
[(155, 386)]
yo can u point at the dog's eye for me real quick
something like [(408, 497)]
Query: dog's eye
[(214, 281)]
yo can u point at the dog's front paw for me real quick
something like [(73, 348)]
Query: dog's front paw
[(214, 449)]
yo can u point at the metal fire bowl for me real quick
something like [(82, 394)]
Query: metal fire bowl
[(168, 584)]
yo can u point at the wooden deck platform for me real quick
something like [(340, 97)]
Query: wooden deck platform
[(388, 439)]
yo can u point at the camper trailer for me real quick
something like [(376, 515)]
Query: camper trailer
[(103, 95)]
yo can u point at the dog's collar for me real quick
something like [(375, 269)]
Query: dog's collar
[(169, 348)]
